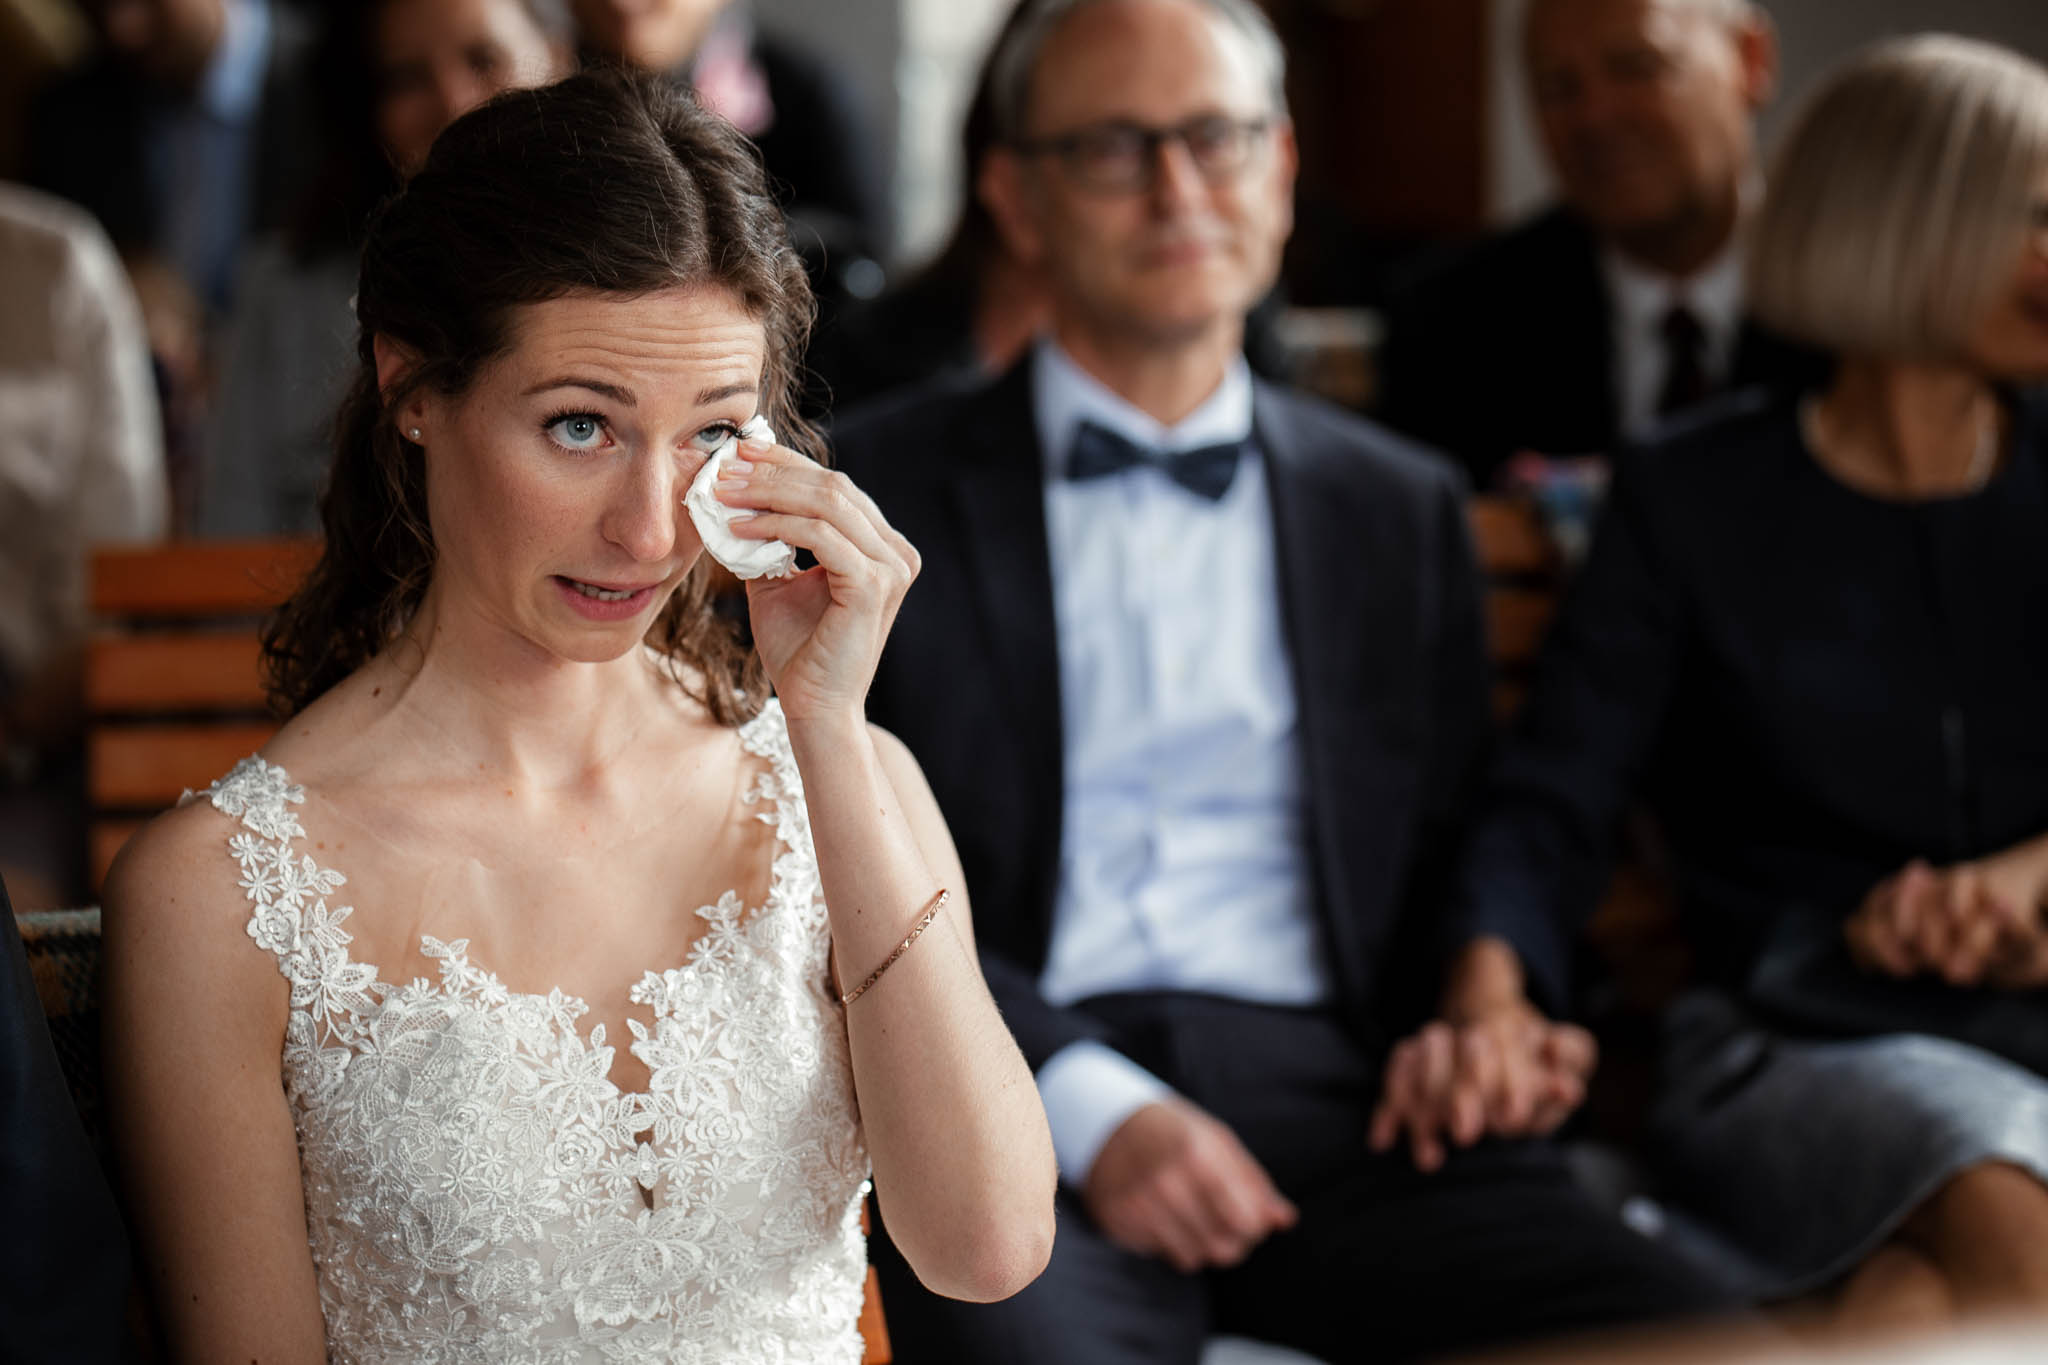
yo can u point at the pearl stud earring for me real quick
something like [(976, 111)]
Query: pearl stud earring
[(413, 432)]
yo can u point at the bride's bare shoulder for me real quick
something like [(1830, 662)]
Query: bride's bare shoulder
[(174, 900), (184, 856), (342, 736)]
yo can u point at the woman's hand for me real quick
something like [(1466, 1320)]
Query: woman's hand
[(1506, 1073), (819, 633), (1976, 923), (1490, 1065)]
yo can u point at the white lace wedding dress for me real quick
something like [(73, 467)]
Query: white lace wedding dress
[(479, 1190)]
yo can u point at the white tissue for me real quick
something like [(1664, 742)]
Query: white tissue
[(745, 558)]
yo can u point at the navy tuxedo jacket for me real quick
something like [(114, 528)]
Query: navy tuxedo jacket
[(1380, 612)]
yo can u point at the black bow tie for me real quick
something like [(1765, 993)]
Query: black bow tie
[(1099, 452)]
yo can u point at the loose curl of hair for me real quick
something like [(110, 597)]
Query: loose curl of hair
[(607, 182)]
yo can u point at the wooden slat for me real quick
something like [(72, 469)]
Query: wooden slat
[(130, 674), (198, 578), (1516, 619), (1510, 538), (104, 842), (146, 767), (873, 1331)]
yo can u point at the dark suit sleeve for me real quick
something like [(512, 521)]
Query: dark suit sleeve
[(1539, 853), (1460, 714), (63, 1256)]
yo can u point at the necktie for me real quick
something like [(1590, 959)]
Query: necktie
[(1685, 361), (1099, 452)]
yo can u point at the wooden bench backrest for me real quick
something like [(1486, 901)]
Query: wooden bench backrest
[(172, 691)]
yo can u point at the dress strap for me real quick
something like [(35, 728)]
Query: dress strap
[(289, 915), (795, 904), (766, 736), (261, 795)]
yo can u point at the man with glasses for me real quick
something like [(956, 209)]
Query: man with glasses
[(1195, 669)]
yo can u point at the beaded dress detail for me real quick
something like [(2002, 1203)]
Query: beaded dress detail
[(478, 1189)]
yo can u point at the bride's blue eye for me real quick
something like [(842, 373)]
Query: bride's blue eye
[(717, 434), (576, 430)]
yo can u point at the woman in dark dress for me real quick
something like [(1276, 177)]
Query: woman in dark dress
[(390, 75), (1813, 639)]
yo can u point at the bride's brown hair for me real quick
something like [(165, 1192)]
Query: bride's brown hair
[(607, 182)]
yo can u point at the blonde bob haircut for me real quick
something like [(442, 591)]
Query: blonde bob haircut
[(1900, 201)]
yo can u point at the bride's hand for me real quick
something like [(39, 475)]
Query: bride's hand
[(819, 633)]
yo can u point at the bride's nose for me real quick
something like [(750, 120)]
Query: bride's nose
[(640, 516)]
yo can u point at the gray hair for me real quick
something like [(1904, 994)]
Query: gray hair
[(1898, 206), (1011, 69)]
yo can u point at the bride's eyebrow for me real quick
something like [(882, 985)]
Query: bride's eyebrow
[(725, 391), (598, 386)]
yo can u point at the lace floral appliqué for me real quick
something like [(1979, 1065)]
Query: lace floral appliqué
[(479, 1190)]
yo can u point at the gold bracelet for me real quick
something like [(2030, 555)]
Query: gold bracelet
[(931, 913)]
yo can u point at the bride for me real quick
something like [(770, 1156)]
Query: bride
[(544, 991)]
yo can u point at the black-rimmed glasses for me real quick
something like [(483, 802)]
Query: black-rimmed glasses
[(1120, 156)]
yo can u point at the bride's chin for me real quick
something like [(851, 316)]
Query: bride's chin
[(600, 644)]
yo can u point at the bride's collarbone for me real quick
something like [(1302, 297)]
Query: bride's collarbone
[(538, 895)]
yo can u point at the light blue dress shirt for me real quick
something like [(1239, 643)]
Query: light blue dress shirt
[(1184, 843)]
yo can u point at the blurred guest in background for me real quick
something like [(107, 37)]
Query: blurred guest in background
[(1196, 671), (81, 462), (830, 169), (1812, 634), (975, 308), (1584, 326), (391, 74), (972, 310), (190, 130)]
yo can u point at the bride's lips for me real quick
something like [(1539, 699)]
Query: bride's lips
[(577, 593)]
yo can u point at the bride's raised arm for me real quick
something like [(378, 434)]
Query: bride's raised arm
[(964, 1167)]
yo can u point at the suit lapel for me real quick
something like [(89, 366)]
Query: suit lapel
[(999, 497), (1348, 562)]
